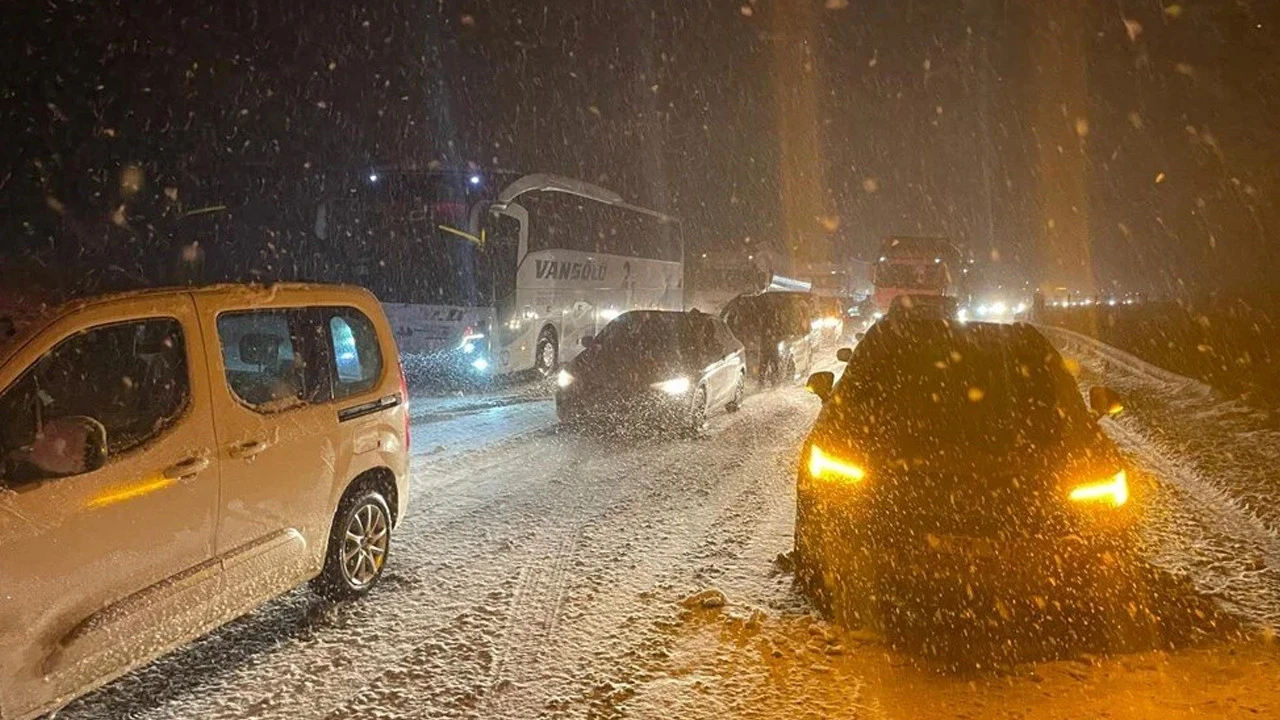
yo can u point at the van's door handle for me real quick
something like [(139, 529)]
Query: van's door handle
[(187, 469), (246, 450)]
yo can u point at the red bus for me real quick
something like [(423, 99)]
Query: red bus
[(916, 266)]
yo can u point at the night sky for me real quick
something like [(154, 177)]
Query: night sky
[(1128, 144)]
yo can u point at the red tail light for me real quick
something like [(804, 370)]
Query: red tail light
[(404, 398)]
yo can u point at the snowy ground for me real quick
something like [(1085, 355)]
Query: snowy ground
[(542, 573)]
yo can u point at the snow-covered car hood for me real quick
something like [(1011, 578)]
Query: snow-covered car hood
[(617, 367)]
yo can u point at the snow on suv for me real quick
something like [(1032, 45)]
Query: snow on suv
[(170, 459), (957, 462)]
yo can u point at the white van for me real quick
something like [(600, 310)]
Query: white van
[(170, 459)]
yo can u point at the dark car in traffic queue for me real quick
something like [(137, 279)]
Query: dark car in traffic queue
[(956, 466), (654, 369), (780, 332)]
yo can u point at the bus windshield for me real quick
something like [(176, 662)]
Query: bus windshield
[(405, 235)]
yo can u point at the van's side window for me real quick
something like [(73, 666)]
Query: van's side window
[(131, 377), (275, 360), (356, 353)]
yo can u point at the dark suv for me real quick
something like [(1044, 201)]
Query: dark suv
[(953, 461)]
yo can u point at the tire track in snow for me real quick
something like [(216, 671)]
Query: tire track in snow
[(533, 615), (582, 498)]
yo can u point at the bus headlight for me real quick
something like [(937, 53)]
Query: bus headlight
[(564, 379), (675, 386), (480, 364), (468, 342)]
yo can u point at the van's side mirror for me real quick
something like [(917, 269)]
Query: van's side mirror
[(1104, 401), (67, 446), (859, 335), (588, 340), (821, 383), (844, 355)]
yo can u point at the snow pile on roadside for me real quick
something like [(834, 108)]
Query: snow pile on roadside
[(1215, 462)]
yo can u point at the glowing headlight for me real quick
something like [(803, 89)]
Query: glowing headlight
[(564, 379), (1114, 491), (822, 465), (468, 343), (480, 364), (675, 386)]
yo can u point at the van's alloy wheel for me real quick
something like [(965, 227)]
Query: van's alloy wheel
[(364, 549), (359, 544)]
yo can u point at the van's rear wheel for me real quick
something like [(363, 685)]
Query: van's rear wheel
[(359, 544), (547, 352)]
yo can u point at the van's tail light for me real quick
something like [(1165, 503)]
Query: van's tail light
[(404, 398)]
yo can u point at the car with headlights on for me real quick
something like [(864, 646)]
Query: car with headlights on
[(656, 368), (957, 462), (829, 323)]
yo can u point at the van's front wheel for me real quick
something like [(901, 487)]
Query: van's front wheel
[(358, 547)]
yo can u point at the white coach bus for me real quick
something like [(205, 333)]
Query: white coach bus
[(477, 282)]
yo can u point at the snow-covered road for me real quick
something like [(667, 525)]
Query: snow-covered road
[(541, 573)]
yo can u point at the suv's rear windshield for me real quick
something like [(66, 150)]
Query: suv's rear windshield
[(1000, 387)]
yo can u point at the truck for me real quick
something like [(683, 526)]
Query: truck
[(916, 266)]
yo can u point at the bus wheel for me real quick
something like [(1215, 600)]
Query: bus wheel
[(547, 354)]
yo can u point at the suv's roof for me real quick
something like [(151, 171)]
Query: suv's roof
[(980, 333), (214, 289)]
